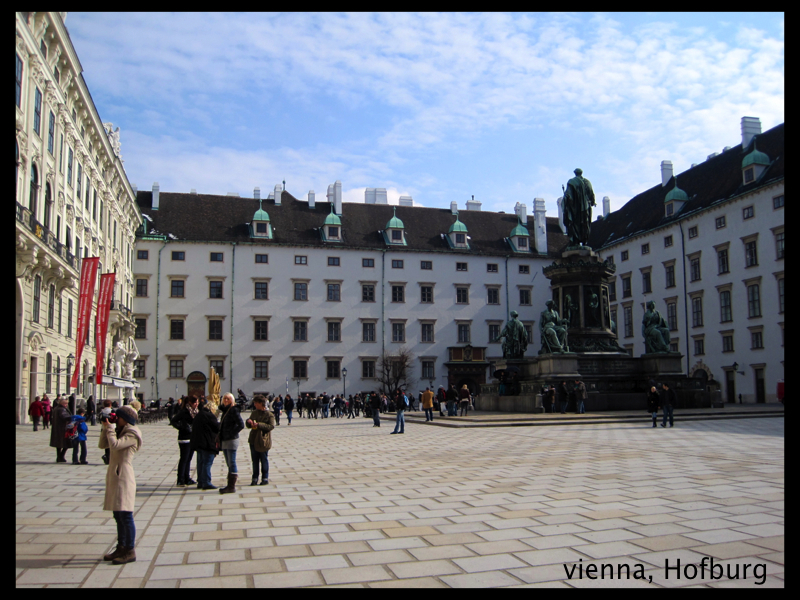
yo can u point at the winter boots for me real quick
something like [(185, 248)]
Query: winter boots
[(231, 487), (117, 551), (127, 555)]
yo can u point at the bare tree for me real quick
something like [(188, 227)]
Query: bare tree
[(394, 370)]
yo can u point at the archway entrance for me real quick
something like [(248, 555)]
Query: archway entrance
[(196, 383), (471, 384)]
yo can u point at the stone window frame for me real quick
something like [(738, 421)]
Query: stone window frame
[(330, 282), (493, 286), (301, 260), (623, 277), (489, 268), (756, 329), (432, 323), (328, 361), (426, 265), (627, 310), (692, 297), (529, 289), (374, 322), (334, 261), (260, 262), (693, 232), (459, 266), (499, 324), (459, 324), (298, 319), (427, 359), (778, 202), (776, 231), (142, 358), (669, 263), (260, 358), (295, 281), (369, 359), (221, 319), (725, 287), (623, 256), (673, 300), (266, 280), (255, 318), (748, 283), (720, 222), (176, 357), (649, 271), (748, 212), (328, 321), (780, 281), (299, 358), (364, 264), (177, 277), (645, 248), (729, 333), (690, 259), (398, 284), (699, 337), (668, 241), (748, 239), (524, 269), (430, 284), (362, 284), (723, 247), (172, 318), (459, 288), (392, 323)]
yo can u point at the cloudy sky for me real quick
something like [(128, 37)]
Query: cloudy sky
[(437, 106)]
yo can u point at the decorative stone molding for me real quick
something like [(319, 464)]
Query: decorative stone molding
[(27, 254), (60, 201)]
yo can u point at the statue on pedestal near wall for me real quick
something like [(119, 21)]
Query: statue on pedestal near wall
[(515, 338), (578, 202)]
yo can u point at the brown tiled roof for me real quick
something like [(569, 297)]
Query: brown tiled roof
[(712, 181), (202, 217)]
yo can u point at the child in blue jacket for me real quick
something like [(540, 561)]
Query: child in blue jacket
[(80, 440)]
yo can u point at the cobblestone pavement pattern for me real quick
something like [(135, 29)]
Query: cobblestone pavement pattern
[(351, 505)]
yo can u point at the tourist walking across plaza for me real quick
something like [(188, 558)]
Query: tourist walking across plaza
[(47, 412), (124, 440), (563, 397), (653, 402), (668, 401), (230, 425), (288, 406), (375, 405), (427, 404), (580, 396), (400, 404), (182, 421), (35, 412), (203, 441), (464, 398), (58, 439), (79, 441), (261, 422)]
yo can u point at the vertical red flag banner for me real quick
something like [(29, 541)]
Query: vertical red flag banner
[(88, 278), (101, 320)]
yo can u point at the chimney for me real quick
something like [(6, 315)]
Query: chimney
[(278, 194), (750, 126), (473, 204), (329, 195), (193, 191), (666, 172), (560, 203), (337, 197), (521, 210), (540, 224), (257, 193), (454, 208), (712, 155), (156, 190), (381, 197), (312, 199), (406, 201), (606, 206), (369, 196), (236, 194)]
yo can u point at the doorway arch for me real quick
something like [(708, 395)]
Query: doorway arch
[(196, 383)]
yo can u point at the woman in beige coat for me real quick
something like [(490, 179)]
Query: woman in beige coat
[(124, 440)]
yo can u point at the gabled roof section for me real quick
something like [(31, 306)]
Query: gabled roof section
[(712, 181)]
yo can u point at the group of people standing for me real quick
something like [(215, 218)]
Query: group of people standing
[(665, 400), (560, 396)]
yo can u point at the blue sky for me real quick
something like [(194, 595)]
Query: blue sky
[(437, 106)]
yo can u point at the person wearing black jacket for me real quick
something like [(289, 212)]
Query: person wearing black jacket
[(182, 421), (668, 400), (653, 402), (375, 405), (203, 440), (230, 424), (288, 406), (563, 396)]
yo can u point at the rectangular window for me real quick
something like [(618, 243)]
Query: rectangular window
[(463, 333), (426, 333), (19, 81), (262, 258), (725, 313), (727, 343), (610, 259), (494, 333), (260, 369), (177, 290), (37, 112), (612, 291), (646, 283), (777, 202), (668, 241), (367, 369), (493, 296), (627, 314), (779, 245), (694, 269), (175, 255), (37, 291), (462, 295), (261, 290), (216, 257), (138, 371), (722, 261), (79, 181), (672, 316), (334, 292), (426, 294), (215, 289), (781, 295), (69, 318), (300, 369), (367, 292), (645, 248), (51, 307), (397, 264), (427, 370), (69, 166), (301, 291), (333, 261), (176, 329), (750, 254), (218, 366), (368, 262), (141, 288), (699, 347), (753, 301), (719, 222), (60, 300), (756, 340), (669, 273), (398, 332), (461, 238), (333, 232), (626, 287), (368, 332), (261, 331), (140, 333), (748, 212), (697, 311), (693, 232), (261, 228), (176, 368), (491, 268), (624, 255), (670, 209), (397, 235), (333, 369), (524, 269), (461, 266), (525, 297), (334, 331), (301, 260), (398, 293), (300, 331), (522, 242), (51, 134)]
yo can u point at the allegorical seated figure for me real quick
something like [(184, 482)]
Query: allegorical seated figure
[(553, 330), (655, 330), (515, 340)]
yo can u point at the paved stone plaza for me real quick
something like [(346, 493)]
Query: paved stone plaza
[(351, 505)]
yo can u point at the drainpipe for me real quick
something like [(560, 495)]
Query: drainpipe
[(383, 301), (233, 276), (507, 304), (685, 303), (158, 297)]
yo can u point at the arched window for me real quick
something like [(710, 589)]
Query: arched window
[(16, 179), (58, 374), (48, 377), (48, 205), (34, 189)]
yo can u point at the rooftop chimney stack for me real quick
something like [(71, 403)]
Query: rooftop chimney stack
[(666, 172), (473, 204), (606, 206), (369, 196), (521, 210), (406, 201), (156, 190), (257, 193), (193, 191), (751, 126), (381, 197), (278, 194), (454, 208), (337, 197), (312, 199), (540, 224)]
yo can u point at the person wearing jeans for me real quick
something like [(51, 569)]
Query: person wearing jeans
[(182, 420), (400, 408), (203, 441), (260, 423), (653, 401), (80, 441), (288, 406), (668, 400), (230, 425), (427, 404)]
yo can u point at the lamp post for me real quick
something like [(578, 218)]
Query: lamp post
[(344, 390), (70, 362), (297, 380), (152, 388)]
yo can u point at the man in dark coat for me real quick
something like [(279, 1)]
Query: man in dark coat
[(668, 401), (61, 416), (563, 396), (205, 428), (653, 402)]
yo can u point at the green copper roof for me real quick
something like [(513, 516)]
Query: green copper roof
[(394, 222), (332, 219), (457, 227), (756, 157), (261, 214), (520, 229), (676, 193)]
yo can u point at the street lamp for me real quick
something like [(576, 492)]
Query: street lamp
[(297, 380), (735, 367), (152, 387), (344, 390)]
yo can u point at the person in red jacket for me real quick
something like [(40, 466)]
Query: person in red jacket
[(36, 411), (48, 409)]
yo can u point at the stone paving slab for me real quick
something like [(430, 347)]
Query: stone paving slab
[(528, 502)]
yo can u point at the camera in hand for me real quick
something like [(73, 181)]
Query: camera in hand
[(112, 418)]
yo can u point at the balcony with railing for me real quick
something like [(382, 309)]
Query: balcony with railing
[(27, 219)]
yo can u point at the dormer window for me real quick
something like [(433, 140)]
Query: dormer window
[(332, 228), (333, 232), (675, 199), (393, 233), (749, 177), (457, 235), (754, 164), (397, 235), (518, 238), (461, 238), (670, 209), (260, 227), (523, 243)]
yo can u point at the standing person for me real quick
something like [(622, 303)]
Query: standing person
[(61, 416), (375, 404), (35, 411), (441, 398), (288, 406), (452, 401), (300, 404), (427, 404), (463, 396), (47, 412), (203, 441), (551, 397), (668, 401), (80, 440), (326, 400), (653, 402), (105, 412), (260, 423), (563, 396), (125, 440), (182, 421), (91, 410), (230, 425), (351, 413), (580, 396), (277, 407), (71, 406), (400, 406), (315, 405)]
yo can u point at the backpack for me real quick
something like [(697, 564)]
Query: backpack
[(72, 431)]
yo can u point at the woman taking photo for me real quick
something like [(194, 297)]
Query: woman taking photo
[(230, 425), (182, 421)]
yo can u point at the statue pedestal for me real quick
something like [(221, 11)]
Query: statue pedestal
[(662, 364)]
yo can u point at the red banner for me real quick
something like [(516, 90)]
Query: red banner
[(88, 278), (101, 320)]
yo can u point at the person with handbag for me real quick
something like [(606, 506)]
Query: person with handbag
[(182, 421), (230, 425), (58, 439), (205, 443), (260, 423)]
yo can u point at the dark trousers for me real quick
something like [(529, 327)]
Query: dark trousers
[(61, 454), (126, 529), (205, 458), (563, 406), (289, 416), (36, 423), (376, 417), (667, 410), (46, 420), (429, 414), (185, 463), (78, 444), (277, 417), (260, 459), (464, 408)]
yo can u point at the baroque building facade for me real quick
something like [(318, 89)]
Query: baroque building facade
[(73, 200)]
